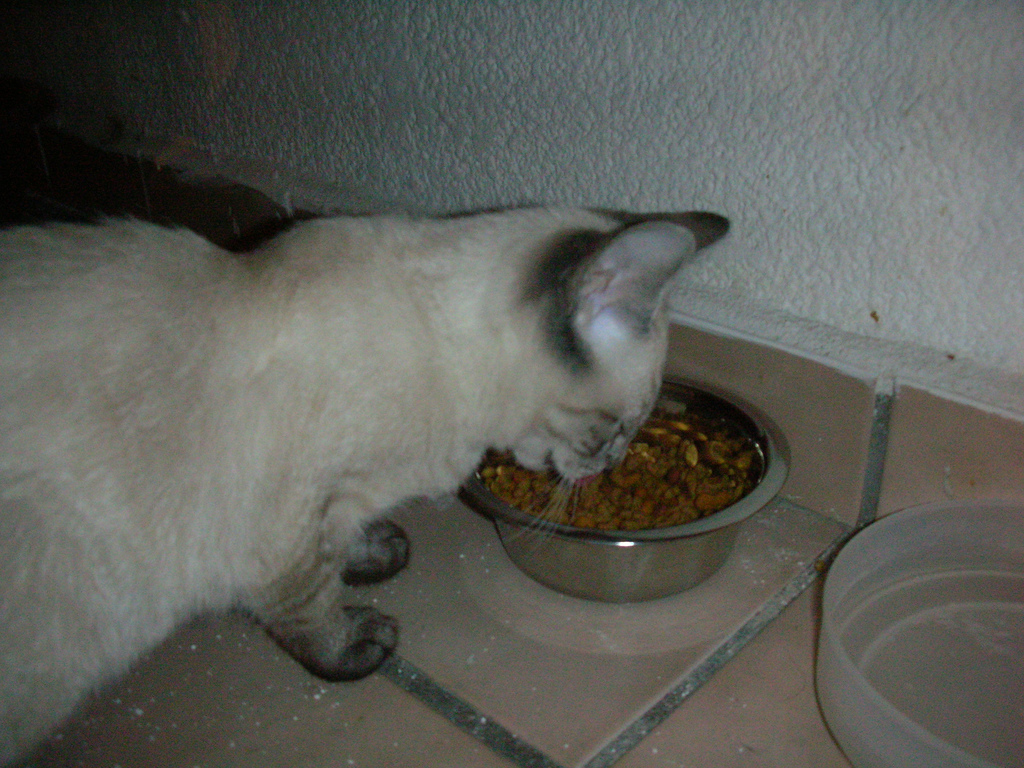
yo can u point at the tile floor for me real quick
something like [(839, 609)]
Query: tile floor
[(548, 680), (742, 720), (495, 670)]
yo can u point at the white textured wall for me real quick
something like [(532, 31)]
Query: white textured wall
[(870, 154)]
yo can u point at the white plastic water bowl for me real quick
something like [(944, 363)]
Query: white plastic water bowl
[(921, 652)]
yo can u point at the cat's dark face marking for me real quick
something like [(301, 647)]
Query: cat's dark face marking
[(600, 293), (559, 271), (553, 284)]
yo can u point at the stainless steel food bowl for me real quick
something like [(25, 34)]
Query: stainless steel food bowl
[(630, 566)]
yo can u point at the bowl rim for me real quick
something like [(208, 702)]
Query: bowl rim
[(773, 445)]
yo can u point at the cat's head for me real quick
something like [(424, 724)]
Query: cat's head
[(600, 292)]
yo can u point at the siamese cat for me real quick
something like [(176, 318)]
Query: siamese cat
[(184, 429)]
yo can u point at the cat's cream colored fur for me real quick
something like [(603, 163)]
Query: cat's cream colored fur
[(182, 430)]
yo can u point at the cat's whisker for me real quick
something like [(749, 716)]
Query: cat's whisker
[(576, 491), (542, 524), (563, 500)]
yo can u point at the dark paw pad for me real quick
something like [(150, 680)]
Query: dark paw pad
[(360, 642), (374, 638), (378, 554)]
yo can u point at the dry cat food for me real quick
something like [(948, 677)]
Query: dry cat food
[(679, 467)]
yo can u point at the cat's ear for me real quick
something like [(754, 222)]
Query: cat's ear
[(627, 279)]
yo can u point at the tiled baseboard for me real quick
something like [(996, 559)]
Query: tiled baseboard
[(942, 447), (863, 444)]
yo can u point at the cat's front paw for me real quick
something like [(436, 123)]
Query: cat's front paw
[(378, 553), (352, 646)]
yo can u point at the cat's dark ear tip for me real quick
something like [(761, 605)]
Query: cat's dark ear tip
[(707, 227)]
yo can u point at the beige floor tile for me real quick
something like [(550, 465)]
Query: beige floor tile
[(759, 711), (942, 449), (824, 413), (566, 674), (219, 693)]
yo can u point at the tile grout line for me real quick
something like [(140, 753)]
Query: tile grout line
[(503, 742), (634, 733), (463, 715), (878, 444)]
